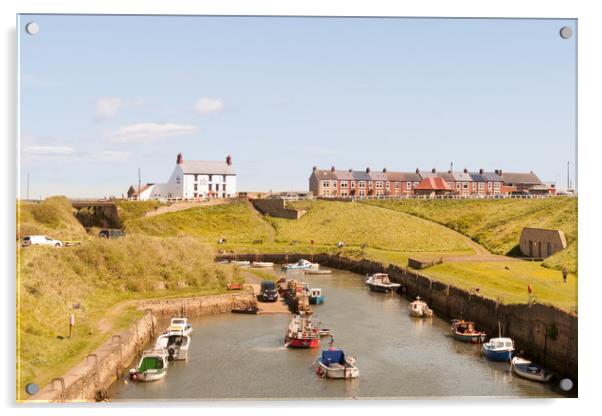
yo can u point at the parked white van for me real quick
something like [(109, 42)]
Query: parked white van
[(42, 240)]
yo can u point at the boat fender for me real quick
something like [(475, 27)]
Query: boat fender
[(133, 374), (320, 372)]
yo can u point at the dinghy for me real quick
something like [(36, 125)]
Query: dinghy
[(240, 263), (465, 331), (526, 369), (152, 366), (262, 264)]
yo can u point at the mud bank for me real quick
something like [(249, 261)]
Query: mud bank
[(90, 379), (545, 333)]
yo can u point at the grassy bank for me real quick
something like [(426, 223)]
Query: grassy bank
[(53, 217), (497, 224), (88, 281)]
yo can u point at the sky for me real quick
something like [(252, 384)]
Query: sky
[(103, 96)]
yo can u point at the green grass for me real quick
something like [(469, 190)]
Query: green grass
[(495, 281), (131, 210), (235, 222), (497, 224), (327, 222), (53, 217), (99, 275)]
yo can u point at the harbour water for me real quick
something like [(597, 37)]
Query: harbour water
[(242, 356)]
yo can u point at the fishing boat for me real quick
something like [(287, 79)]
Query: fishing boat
[(315, 296), (152, 366), (176, 343), (301, 265), (498, 349), (526, 369), (317, 271), (301, 333), (379, 282), (241, 263), (180, 324), (262, 264), (420, 309), (333, 363), (465, 331)]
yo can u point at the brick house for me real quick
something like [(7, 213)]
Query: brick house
[(433, 186)]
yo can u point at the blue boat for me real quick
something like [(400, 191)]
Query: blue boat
[(335, 364), (498, 349), (316, 297)]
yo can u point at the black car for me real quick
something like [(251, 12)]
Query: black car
[(111, 233), (268, 292)]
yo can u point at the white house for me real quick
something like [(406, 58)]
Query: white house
[(196, 179)]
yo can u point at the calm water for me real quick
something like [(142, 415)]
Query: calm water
[(241, 356)]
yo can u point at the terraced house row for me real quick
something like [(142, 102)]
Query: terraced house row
[(347, 183)]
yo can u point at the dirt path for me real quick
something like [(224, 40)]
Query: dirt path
[(270, 227), (105, 324)]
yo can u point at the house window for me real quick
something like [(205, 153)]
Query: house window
[(465, 185), (481, 185), (489, 185), (388, 184), (326, 193), (408, 185), (352, 184), (396, 185), (344, 184), (196, 178), (210, 186), (370, 184), (474, 185), (457, 185), (224, 178), (210, 178), (496, 185), (325, 184), (196, 187), (379, 185), (361, 184), (415, 183), (379, 192), (362, 192), (334, 184), (344, 193)]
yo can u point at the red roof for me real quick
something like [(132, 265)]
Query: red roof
[(433, 184)]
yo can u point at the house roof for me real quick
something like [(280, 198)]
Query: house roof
[(362, 175), (207, 167), (433, 183), (492, 177), (142, 188), (403, 176), (461, 177), (526, 178)]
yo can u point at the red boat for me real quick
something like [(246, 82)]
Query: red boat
[(301, 333)]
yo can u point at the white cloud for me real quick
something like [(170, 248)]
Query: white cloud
[(112, 156), (49, 150), (150, 132), (207, 105), (107, 107)]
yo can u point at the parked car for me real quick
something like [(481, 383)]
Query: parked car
[(111, 233), (40, 240), (268, 292)]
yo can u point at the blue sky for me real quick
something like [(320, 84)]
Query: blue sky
[(102, 96)]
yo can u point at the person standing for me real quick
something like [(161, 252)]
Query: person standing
[(564, 274)]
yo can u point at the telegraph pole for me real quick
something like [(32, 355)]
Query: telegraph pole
[(568, 181), (138, 184)]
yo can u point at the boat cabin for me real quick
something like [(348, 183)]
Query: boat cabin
[(464, 327), (501, 343), (316, 292)]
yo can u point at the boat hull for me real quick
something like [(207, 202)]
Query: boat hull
[(262, 264), (316, 300), (521, 369), (146, 377), (379, 288), (302, 343), (339, 372), (499, 355), (470, 338)]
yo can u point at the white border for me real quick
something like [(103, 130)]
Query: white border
[(590, 36)]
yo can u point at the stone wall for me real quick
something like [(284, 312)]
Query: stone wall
[(90, 379), (276, 207), (544, 333)]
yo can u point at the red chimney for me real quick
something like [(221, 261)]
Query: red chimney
[(433, 170), (367, 170), (332, 168), (417, 170), (480, 171), (384, 170), (315, 168), (465, 170), (179, 159), (229, 160), (350, 170)]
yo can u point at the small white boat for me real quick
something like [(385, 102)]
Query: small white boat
[(335, 364), (526, 369), (301, 265), (241, 263), (179, 325), (420, 309), (317, 271), (379, 282), (176, 343), (152, 366), (262, 264)]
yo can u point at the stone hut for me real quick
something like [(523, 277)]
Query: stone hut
[(541, 243)]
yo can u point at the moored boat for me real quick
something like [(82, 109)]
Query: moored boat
[(379, 282), (333, 363), (180, 324), (465, 331), (498, 349), (317, 271), (176, 343), (262, 264), (241, 263), (252, 310), (324, 332), (527, 369), (420, 309), (301, 265), (315, 296), (152, 366), (301, 333)]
